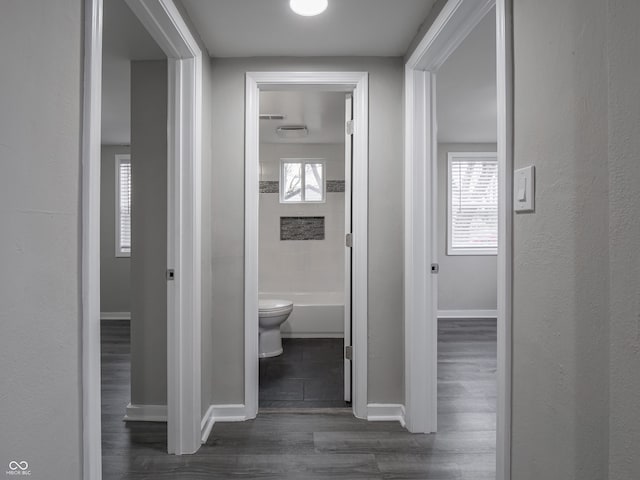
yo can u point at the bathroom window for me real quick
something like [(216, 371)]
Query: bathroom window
[(123, 205), (302, 180), (472, 204)]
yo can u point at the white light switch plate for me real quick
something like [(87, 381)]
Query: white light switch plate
[(524, 182)]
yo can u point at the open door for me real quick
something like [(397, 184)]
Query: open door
[(348, 154)]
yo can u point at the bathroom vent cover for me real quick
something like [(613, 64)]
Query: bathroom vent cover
[(292, 131)]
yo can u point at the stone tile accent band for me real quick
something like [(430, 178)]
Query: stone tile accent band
[(335, 186), (269, 186), (301, 228), (273, 186)]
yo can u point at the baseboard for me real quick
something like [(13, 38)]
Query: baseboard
[(444, 314), (146, 413), (222, 413), (312, 335), (115, 316), (207, 424), (386, 412)]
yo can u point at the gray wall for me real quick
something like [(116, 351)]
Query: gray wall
[(623, 51), (560, 313), (386, 383), (40, 144), (149, 232), (465, 282), (115, 295)]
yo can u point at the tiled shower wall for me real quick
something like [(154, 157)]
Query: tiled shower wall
[(313, 261)]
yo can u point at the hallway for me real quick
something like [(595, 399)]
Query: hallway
[(319, 444)]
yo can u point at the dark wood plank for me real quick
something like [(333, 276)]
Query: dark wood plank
[(310, 443)]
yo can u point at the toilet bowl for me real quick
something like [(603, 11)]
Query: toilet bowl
[(271, 314)]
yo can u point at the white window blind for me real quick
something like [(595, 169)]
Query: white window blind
[(302, 180), (123, 205), (472, 204)]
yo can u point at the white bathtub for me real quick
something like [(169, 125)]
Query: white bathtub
[(315, 314)]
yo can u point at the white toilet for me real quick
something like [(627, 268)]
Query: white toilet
[(271, 314)]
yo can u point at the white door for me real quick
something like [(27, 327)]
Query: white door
[(348, 153)]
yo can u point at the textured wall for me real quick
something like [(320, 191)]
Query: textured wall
[(624, 233), (40, 312), (115, 285), (465, 282), (149, 232), (385, 219), (561, 301)]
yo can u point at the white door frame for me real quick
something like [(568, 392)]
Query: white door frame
[(358, 82), (166, 25), (455, 21)]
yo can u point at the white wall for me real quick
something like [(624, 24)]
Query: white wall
[(465, 282), (115, 284), (301, 265), (206, 262), (149, 232), (40, 298), (385, 331)]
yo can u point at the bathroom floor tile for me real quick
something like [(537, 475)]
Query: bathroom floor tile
[(315, 365)]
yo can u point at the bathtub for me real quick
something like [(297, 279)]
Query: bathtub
[(315, 314)]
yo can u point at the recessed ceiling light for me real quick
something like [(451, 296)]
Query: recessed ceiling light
[(308, 8)]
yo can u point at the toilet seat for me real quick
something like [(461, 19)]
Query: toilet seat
[(270, 308)]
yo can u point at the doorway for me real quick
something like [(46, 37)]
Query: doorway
[(183, 414), (304, 217), (336, 82), (454, 23)]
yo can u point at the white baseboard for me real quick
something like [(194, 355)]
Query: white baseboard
[(444, 314), (115, 316), (207, 424), (312, 335), (146, 413), (386, 412), (222, 413)]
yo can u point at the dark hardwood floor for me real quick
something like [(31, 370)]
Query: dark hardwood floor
[(308, 374), (319, 444)]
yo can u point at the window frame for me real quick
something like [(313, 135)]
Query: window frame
[(120, 159), (303, 162), (459, 251)]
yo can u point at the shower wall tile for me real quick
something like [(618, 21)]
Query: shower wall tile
[(301, 228)]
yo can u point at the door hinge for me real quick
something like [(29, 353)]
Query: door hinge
[(348, 240), (350, 127), (171, 274), (348, 352), (435, 268)]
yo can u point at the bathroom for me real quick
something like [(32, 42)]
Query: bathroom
[(302, 250)]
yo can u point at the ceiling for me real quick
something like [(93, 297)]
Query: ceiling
[(248, 28), (321, 112), (124, 39), (466, 89)]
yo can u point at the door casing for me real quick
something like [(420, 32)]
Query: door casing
[(358, 83)]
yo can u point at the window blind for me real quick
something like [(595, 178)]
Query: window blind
[(473, 204), (124, 206)]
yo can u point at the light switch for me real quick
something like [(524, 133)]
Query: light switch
[(524, 189)]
